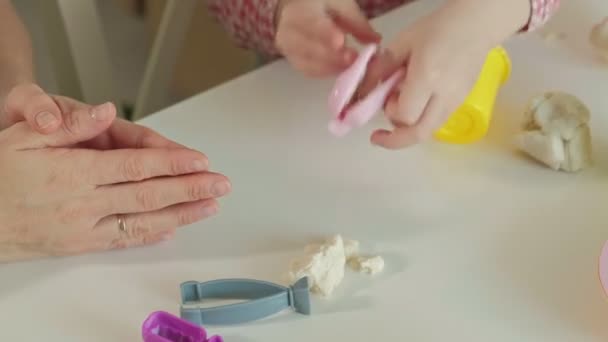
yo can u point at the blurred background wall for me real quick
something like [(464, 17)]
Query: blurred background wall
[(206, 58)]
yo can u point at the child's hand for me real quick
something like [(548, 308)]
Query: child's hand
[(311, 34), (443, 54)]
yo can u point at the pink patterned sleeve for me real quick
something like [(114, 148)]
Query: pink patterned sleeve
[(540, 12), (249, 22), (252, 26)]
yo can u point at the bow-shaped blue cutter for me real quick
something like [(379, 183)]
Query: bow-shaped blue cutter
[(263, 299)]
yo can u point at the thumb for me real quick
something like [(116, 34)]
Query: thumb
[(31, 103), (349, 17), (81, 123)]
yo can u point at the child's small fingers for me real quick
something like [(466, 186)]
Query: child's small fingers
[(404, 136), (315, 68), (349, 16), (433, 117), (337, 60), (329, 34), (312, 48), (380, 68), (414, 96), (400, 137), (316, 57)]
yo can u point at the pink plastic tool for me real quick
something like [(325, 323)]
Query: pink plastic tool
[(348, 112)]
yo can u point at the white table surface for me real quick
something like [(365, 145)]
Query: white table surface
[(481, 244)]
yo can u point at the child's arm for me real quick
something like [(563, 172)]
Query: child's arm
[(494, 21), (250, 23)]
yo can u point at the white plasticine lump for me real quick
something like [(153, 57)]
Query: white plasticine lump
[(556, 132), (599, 38), (351, 248), (324, 264), (365, 264)]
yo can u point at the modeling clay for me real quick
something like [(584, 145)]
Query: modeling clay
[(367, 264), (161, 326), (323, 265), (351, 248), (556, 132), (599, 38), (263, 299)]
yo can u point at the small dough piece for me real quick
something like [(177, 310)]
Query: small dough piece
[(599, 38), (556, 132), (351, 248), (323, 265), (365, 264)]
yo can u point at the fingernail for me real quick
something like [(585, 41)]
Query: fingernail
[(45, 119), (101, 112), (209, 210), (220, 188), (199, 165)]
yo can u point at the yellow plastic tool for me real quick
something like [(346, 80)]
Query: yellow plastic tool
[(471, 121)]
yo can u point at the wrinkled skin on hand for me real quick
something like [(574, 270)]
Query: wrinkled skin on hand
[(62, 192)]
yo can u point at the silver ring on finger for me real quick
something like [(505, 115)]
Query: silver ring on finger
[(122, 225)]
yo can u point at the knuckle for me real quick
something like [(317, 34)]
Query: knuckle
[(72, 124), (197, 191), (419, 134), (133, 169), (151, 239), (147, 240), (146, 198), (186, 217), (145, 138), (138, 227), (177, 167), (405, 120), (429, 74)]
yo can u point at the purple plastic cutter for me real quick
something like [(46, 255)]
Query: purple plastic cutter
[(161, 326)]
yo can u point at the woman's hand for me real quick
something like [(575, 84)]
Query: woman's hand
[(82, 189), (311, 34), (31, 103)]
